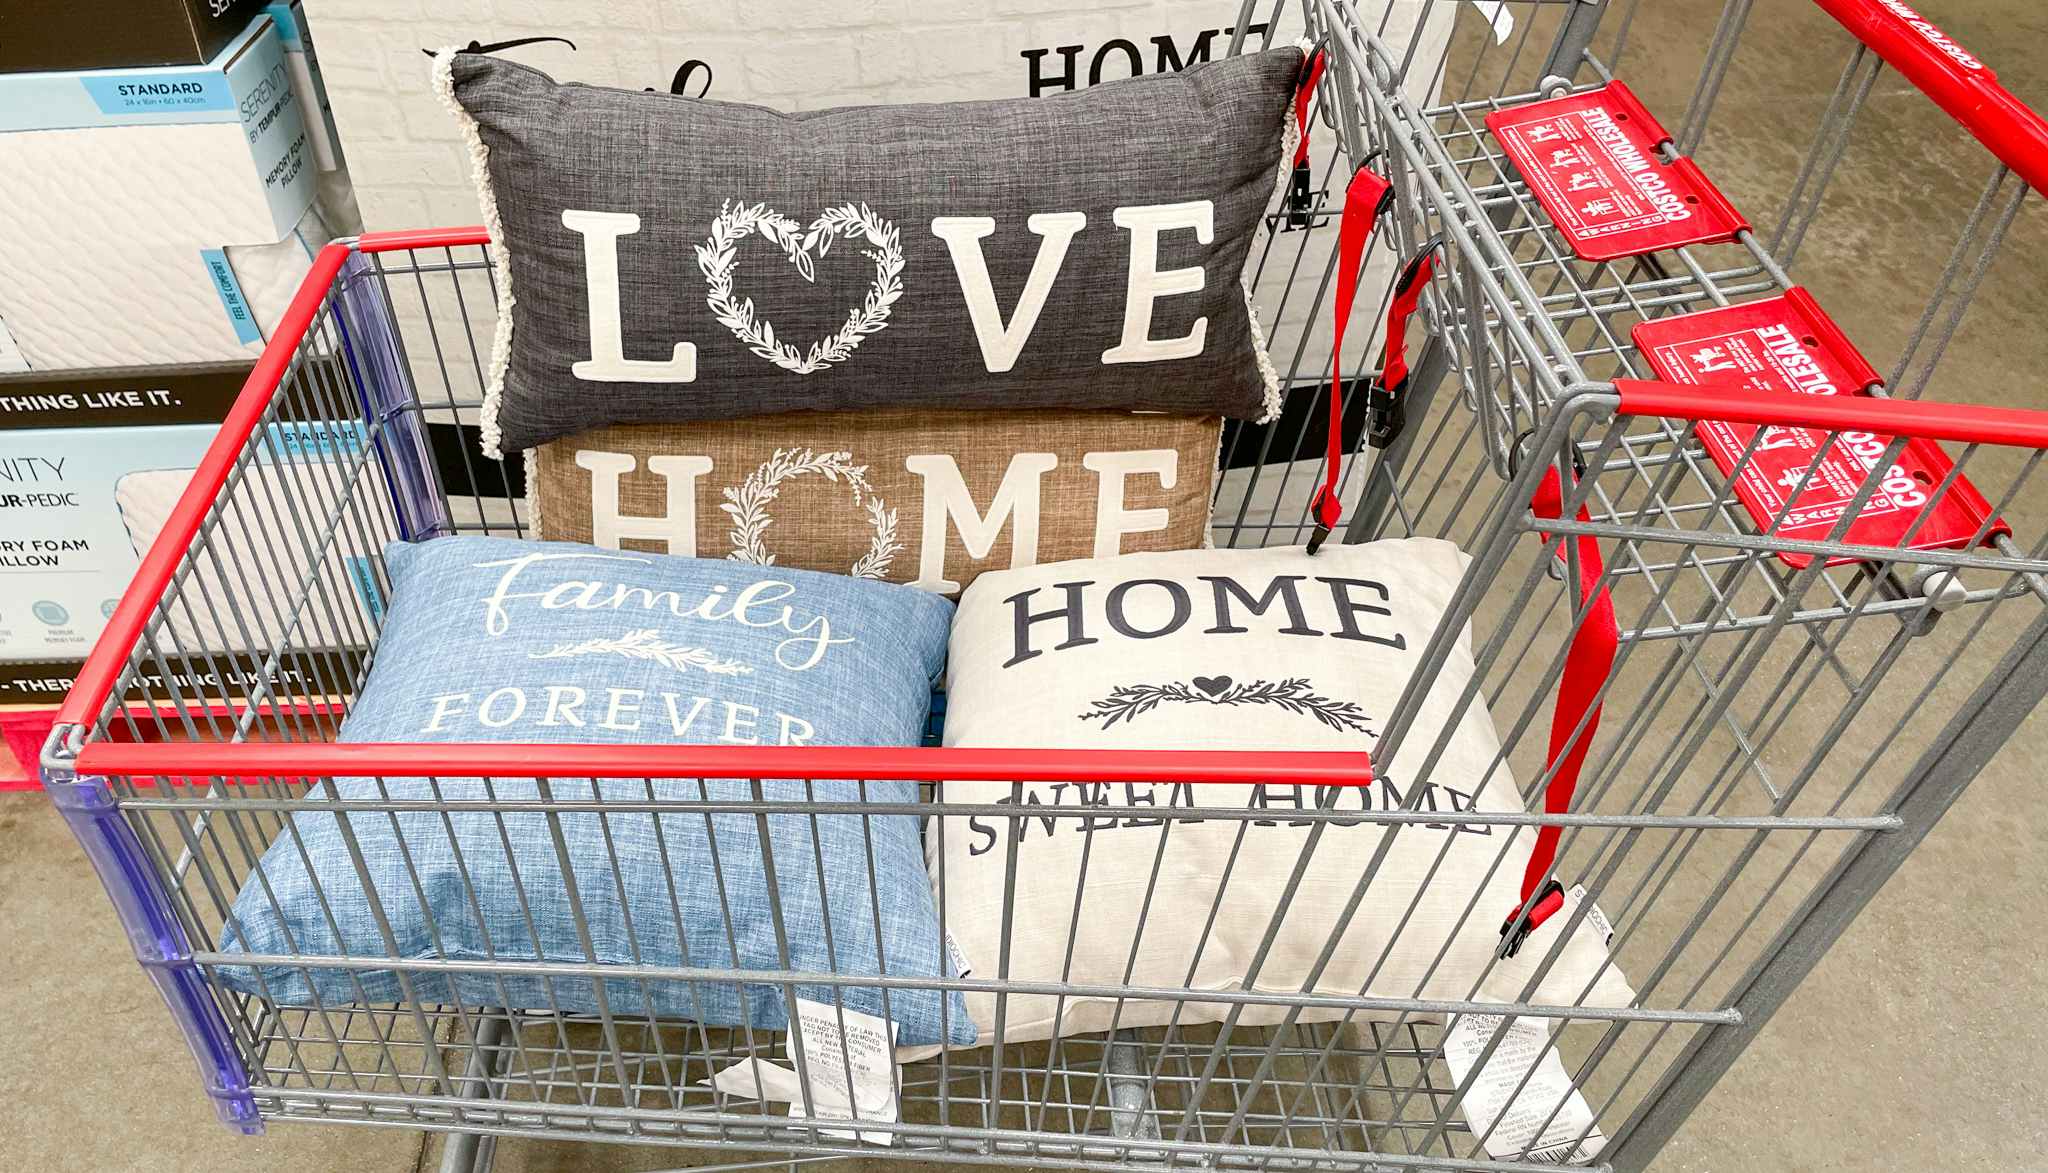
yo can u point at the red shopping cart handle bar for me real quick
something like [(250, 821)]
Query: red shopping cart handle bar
[(1954, 78), (399, 759), (1960, 423)]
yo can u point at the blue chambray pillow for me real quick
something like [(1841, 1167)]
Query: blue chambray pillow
[(491, 639)]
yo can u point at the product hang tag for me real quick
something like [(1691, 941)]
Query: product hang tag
[(864, 1050), (1542, 1118), (1496, 14)]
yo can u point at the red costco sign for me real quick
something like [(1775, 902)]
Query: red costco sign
[(1787, 344), (1592, 161)]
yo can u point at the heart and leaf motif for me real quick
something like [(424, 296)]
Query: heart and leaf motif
[(1127, 702), (802, 245)]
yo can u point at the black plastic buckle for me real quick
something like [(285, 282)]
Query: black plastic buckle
[(1321, 533), (1384, 414), (1301, 198), (1522, 921)]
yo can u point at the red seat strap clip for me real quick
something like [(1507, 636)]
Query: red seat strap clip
[(1573, 721), (1305, 101), (1385, 409), (1300, 207)]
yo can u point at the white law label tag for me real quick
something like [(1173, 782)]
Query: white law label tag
[(1595, 919), (1498, 15), (866, 1049), (1508, 1111), (956, 957)]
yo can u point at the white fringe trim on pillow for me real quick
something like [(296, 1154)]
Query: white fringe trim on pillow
[(1216, 473), (533, 492), (501, 267), (1267, 374), (1290, 141), (1290, 134)]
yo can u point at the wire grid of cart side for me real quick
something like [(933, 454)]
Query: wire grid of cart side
[(1525, 335), (1725, 840), (1803, 163)]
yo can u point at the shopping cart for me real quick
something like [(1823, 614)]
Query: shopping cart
[(1773, 705)]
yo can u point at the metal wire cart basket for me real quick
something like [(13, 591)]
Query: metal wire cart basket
[(1801, 604)]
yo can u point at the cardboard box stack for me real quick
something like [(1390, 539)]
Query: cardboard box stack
[(168, 178)]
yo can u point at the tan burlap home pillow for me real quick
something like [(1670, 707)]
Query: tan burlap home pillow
[(902, 495)]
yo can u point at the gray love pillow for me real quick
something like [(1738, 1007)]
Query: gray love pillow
[(666, 258)]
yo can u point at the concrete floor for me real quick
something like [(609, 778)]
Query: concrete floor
[(1920, 1042)]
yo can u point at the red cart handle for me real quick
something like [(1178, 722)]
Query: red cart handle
[(1954, 78), (1591, 655)]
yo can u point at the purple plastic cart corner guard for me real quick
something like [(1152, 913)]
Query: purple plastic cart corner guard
[(157, 938), (390, 408)]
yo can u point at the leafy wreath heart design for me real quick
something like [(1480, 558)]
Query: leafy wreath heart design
[(1128, 702), (748, 506), (717, 257)]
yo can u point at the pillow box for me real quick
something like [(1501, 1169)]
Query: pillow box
[(264, 554), (898, 494), (665, 258), (492, 639), (1232, 649)]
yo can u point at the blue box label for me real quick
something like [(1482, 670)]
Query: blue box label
[(66, 550), (145, 96), (287, 19), (166, 93), (363, 571), (230, 290), (315, 439), (248, 85)]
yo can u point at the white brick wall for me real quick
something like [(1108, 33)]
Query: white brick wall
[(789, 54)]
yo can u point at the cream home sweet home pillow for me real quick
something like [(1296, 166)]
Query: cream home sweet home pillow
[(1232, 649)]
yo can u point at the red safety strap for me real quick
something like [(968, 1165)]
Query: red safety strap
[(1586, 665), (1364, 199), (1407, 296), (1305, 102), (1591, 654)]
